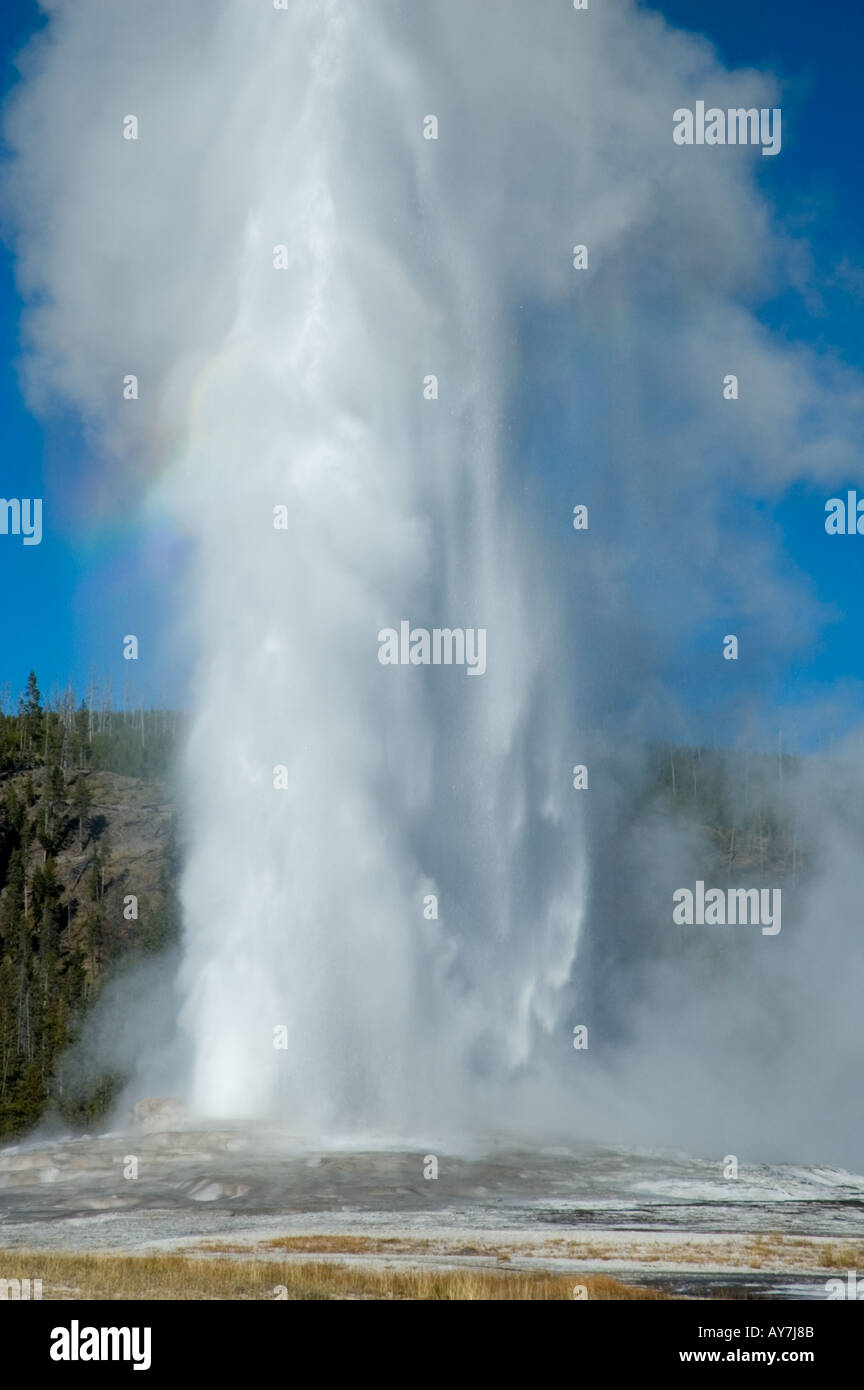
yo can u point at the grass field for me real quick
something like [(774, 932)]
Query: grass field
[(401, 1267), (769, 1251), (177, 1276)]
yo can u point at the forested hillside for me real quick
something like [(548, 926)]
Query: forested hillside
[(88, 868), (744, 800)]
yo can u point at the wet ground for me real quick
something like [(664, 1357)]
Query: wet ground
[(647, 1217)]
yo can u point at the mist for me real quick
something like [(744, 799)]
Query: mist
[(284, 260)]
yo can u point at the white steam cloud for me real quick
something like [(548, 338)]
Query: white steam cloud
[(302, 387)]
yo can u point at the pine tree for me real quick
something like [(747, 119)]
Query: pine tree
[(82, 805), (52, 828), (30, 720)]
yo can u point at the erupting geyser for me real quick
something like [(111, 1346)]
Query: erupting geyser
[(434, 326), (384, 889)]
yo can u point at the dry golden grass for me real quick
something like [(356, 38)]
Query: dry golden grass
[(353, 1245), (773, 1248), (177, 1277), (334, 1246), (200, 1273), (771, 1251), (843, 1256)]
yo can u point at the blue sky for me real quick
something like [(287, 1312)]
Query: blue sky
[(816, 187), (70, 601)]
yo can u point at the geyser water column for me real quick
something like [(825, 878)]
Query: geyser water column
[(331, 495), (283, 259)]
